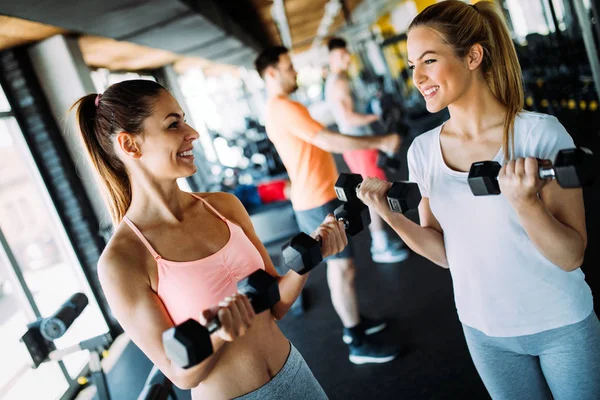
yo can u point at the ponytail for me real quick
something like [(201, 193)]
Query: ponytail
[(462, 26), (110, 171), (123, 107), (505, 77)]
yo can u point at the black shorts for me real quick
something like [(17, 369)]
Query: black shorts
[(309, 220)]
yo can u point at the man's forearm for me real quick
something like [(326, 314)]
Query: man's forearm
[(339, 143), (356, 120)]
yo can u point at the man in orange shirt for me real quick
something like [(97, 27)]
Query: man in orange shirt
[(305, 148)]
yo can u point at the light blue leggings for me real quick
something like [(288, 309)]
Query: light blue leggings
[(562, 363)]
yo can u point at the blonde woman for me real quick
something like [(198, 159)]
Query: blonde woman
[(526, 310)]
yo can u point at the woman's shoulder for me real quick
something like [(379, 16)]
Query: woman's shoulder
[(227, 204), (122, 255), (425, 142), (428, 138), (540, 134), (219, 200), (530, 121)]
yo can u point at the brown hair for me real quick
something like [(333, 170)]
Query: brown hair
[(269, 57), (462, 26), (123, 107)]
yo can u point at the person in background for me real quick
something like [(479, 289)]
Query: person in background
[(343, 103), (305, 147)]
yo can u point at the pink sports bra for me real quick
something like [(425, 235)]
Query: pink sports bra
[(188, 288)]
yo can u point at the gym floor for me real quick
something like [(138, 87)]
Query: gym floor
[(415, 295)]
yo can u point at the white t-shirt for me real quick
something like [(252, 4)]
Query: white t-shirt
[(503, 286)]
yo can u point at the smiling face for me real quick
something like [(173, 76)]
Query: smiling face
[(165, 147), (440, 76)]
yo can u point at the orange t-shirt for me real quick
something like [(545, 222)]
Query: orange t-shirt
[(312, 170)]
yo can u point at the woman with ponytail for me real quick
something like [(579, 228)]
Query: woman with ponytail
[(526, 310), (177, 255)]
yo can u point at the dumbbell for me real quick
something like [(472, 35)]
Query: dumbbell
[(386, 161), (401, 197), (188, 343), (302, 253), (572, 168)]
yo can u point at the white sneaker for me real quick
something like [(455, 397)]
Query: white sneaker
[(390, 254)]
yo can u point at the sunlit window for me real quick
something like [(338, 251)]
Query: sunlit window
[(46, 267), (534, 16)]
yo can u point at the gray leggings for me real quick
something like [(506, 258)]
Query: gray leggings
[(562, 363), (295, 381)]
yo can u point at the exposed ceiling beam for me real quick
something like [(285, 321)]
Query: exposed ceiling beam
[(280, 17), (332, 9), (174, 26)]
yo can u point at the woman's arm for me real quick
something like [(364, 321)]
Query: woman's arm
[(426, 239), (142, 315), (554, 220), (291, 284)]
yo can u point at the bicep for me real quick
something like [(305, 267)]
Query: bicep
[(426, 217), (566, 205), (139, 311)]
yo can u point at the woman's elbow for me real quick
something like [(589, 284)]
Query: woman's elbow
[(442, 262), (279, 312), (186, 382), (574, 263), (186, 379), (575, 260)]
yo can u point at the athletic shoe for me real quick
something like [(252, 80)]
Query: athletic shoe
[(367, 326)]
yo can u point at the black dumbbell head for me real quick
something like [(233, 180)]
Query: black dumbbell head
[(345, 187), (403, 196), (574, 167), (302, 253), (261, 288), (187, 344), (356, 215), (382, 160), (483, 178), (385, 161)]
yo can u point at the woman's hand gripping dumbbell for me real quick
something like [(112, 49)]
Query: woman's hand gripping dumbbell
[(400, 196), (572, 168), (189, 343), (303, 252)]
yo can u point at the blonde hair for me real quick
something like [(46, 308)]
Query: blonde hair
[(123, 107), (462, 26)]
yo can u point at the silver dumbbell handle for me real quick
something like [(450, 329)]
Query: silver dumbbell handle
[(545, 173), (345, 222)]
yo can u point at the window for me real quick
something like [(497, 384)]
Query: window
[(46, 267)]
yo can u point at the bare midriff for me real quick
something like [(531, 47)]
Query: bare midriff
[(247, 363)]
